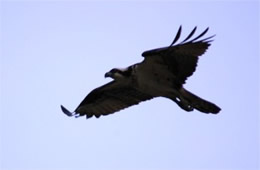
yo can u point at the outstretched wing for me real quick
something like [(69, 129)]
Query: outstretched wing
[(181, 59), (108, 99)]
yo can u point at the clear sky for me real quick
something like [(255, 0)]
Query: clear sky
[(56, 52)]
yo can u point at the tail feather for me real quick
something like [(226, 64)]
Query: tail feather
[(198, 103)]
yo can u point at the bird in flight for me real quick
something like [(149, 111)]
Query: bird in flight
[(162, 73)]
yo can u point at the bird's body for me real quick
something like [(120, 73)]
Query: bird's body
[(161, 74)]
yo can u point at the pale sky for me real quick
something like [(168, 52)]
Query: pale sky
[(56, 52)]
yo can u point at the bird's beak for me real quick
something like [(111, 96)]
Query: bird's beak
[(108, 74)]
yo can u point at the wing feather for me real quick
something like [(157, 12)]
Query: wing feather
[(108, 99), (190, 35), (203, 33), (181, 59), (176, 37)]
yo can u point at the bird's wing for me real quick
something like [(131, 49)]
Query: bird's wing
[(108, 99), (181, 59)]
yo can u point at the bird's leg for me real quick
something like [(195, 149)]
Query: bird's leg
[(182, 104)]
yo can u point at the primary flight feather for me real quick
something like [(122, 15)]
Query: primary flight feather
[(162, 73)]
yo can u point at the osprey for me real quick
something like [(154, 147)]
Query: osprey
[(162, 73)]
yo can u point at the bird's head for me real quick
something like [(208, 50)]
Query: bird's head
[(117, 73)]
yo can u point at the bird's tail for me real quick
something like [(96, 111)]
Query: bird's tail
[(188, 101)]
